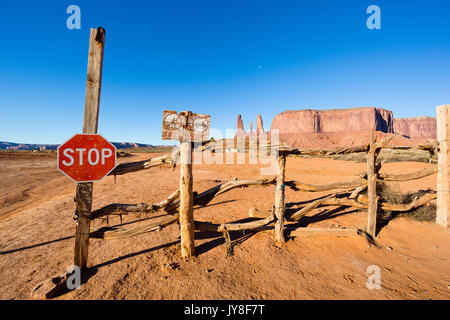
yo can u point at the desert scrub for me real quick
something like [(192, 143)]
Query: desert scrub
[(392, 194)]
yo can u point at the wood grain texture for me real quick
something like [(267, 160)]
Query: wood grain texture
[(111, 233), (443, 179), (300, 186), (408, 176), (123, 208), (187, 227), (280, 201), (128, 167), (94, 81), (83, 202), (83, 196), (207, 226), (400, 207), (372, 188)]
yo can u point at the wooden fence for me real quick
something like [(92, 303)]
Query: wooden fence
[(275, 219), (352, 197)]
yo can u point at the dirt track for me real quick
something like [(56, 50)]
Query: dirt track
[(36, 240)]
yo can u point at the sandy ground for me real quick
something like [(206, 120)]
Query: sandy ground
[(36, 239)]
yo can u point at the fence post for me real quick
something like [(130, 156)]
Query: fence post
[(280, 200), (83, 196), (443, 179), (186, 201), (372, 187)]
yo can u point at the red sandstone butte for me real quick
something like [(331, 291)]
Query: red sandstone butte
[(342, 127), (416, 128), (331, 128), (333, 121)]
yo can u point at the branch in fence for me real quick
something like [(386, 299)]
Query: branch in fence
[(109, 233), (206, 145), (408, 176), (404, 176), (171, 205), (254, 213), (362, 203), (245, 144), (205, 197), (317, 152), (128, 167), (298, 186), (417, 202), (330, 201), (426, 147), (211, 227), (359, 149), (358, 190), (120, 208), (222, 144)]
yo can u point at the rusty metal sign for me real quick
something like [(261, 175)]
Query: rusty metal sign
[(185, 126), (86, 157)]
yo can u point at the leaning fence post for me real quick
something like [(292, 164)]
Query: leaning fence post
[(372, 187), (280, 200), (443, 179), (83, 196)]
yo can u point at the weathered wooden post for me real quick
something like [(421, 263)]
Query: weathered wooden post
[(186, 127), (83, 196), (187, 227), (443, 179), (280, 200), (372, 186)]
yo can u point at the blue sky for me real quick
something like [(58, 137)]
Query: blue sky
[(216, 57)]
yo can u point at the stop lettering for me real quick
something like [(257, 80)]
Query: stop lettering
[(86, 157)]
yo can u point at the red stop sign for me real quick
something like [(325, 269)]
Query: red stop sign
[(86, 157)]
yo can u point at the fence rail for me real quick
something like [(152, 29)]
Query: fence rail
[(352, 198)]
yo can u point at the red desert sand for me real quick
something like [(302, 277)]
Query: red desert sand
[(37, 238)]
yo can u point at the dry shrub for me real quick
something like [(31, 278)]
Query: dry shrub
[(423, 213), (393, 195)]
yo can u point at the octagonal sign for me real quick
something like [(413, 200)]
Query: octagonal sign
[(86, 157)]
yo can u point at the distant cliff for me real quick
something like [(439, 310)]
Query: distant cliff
[(341, 127), (333, 121), (420, 127), (28, 146)]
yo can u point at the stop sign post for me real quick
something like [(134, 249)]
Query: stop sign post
[(86, 157)]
